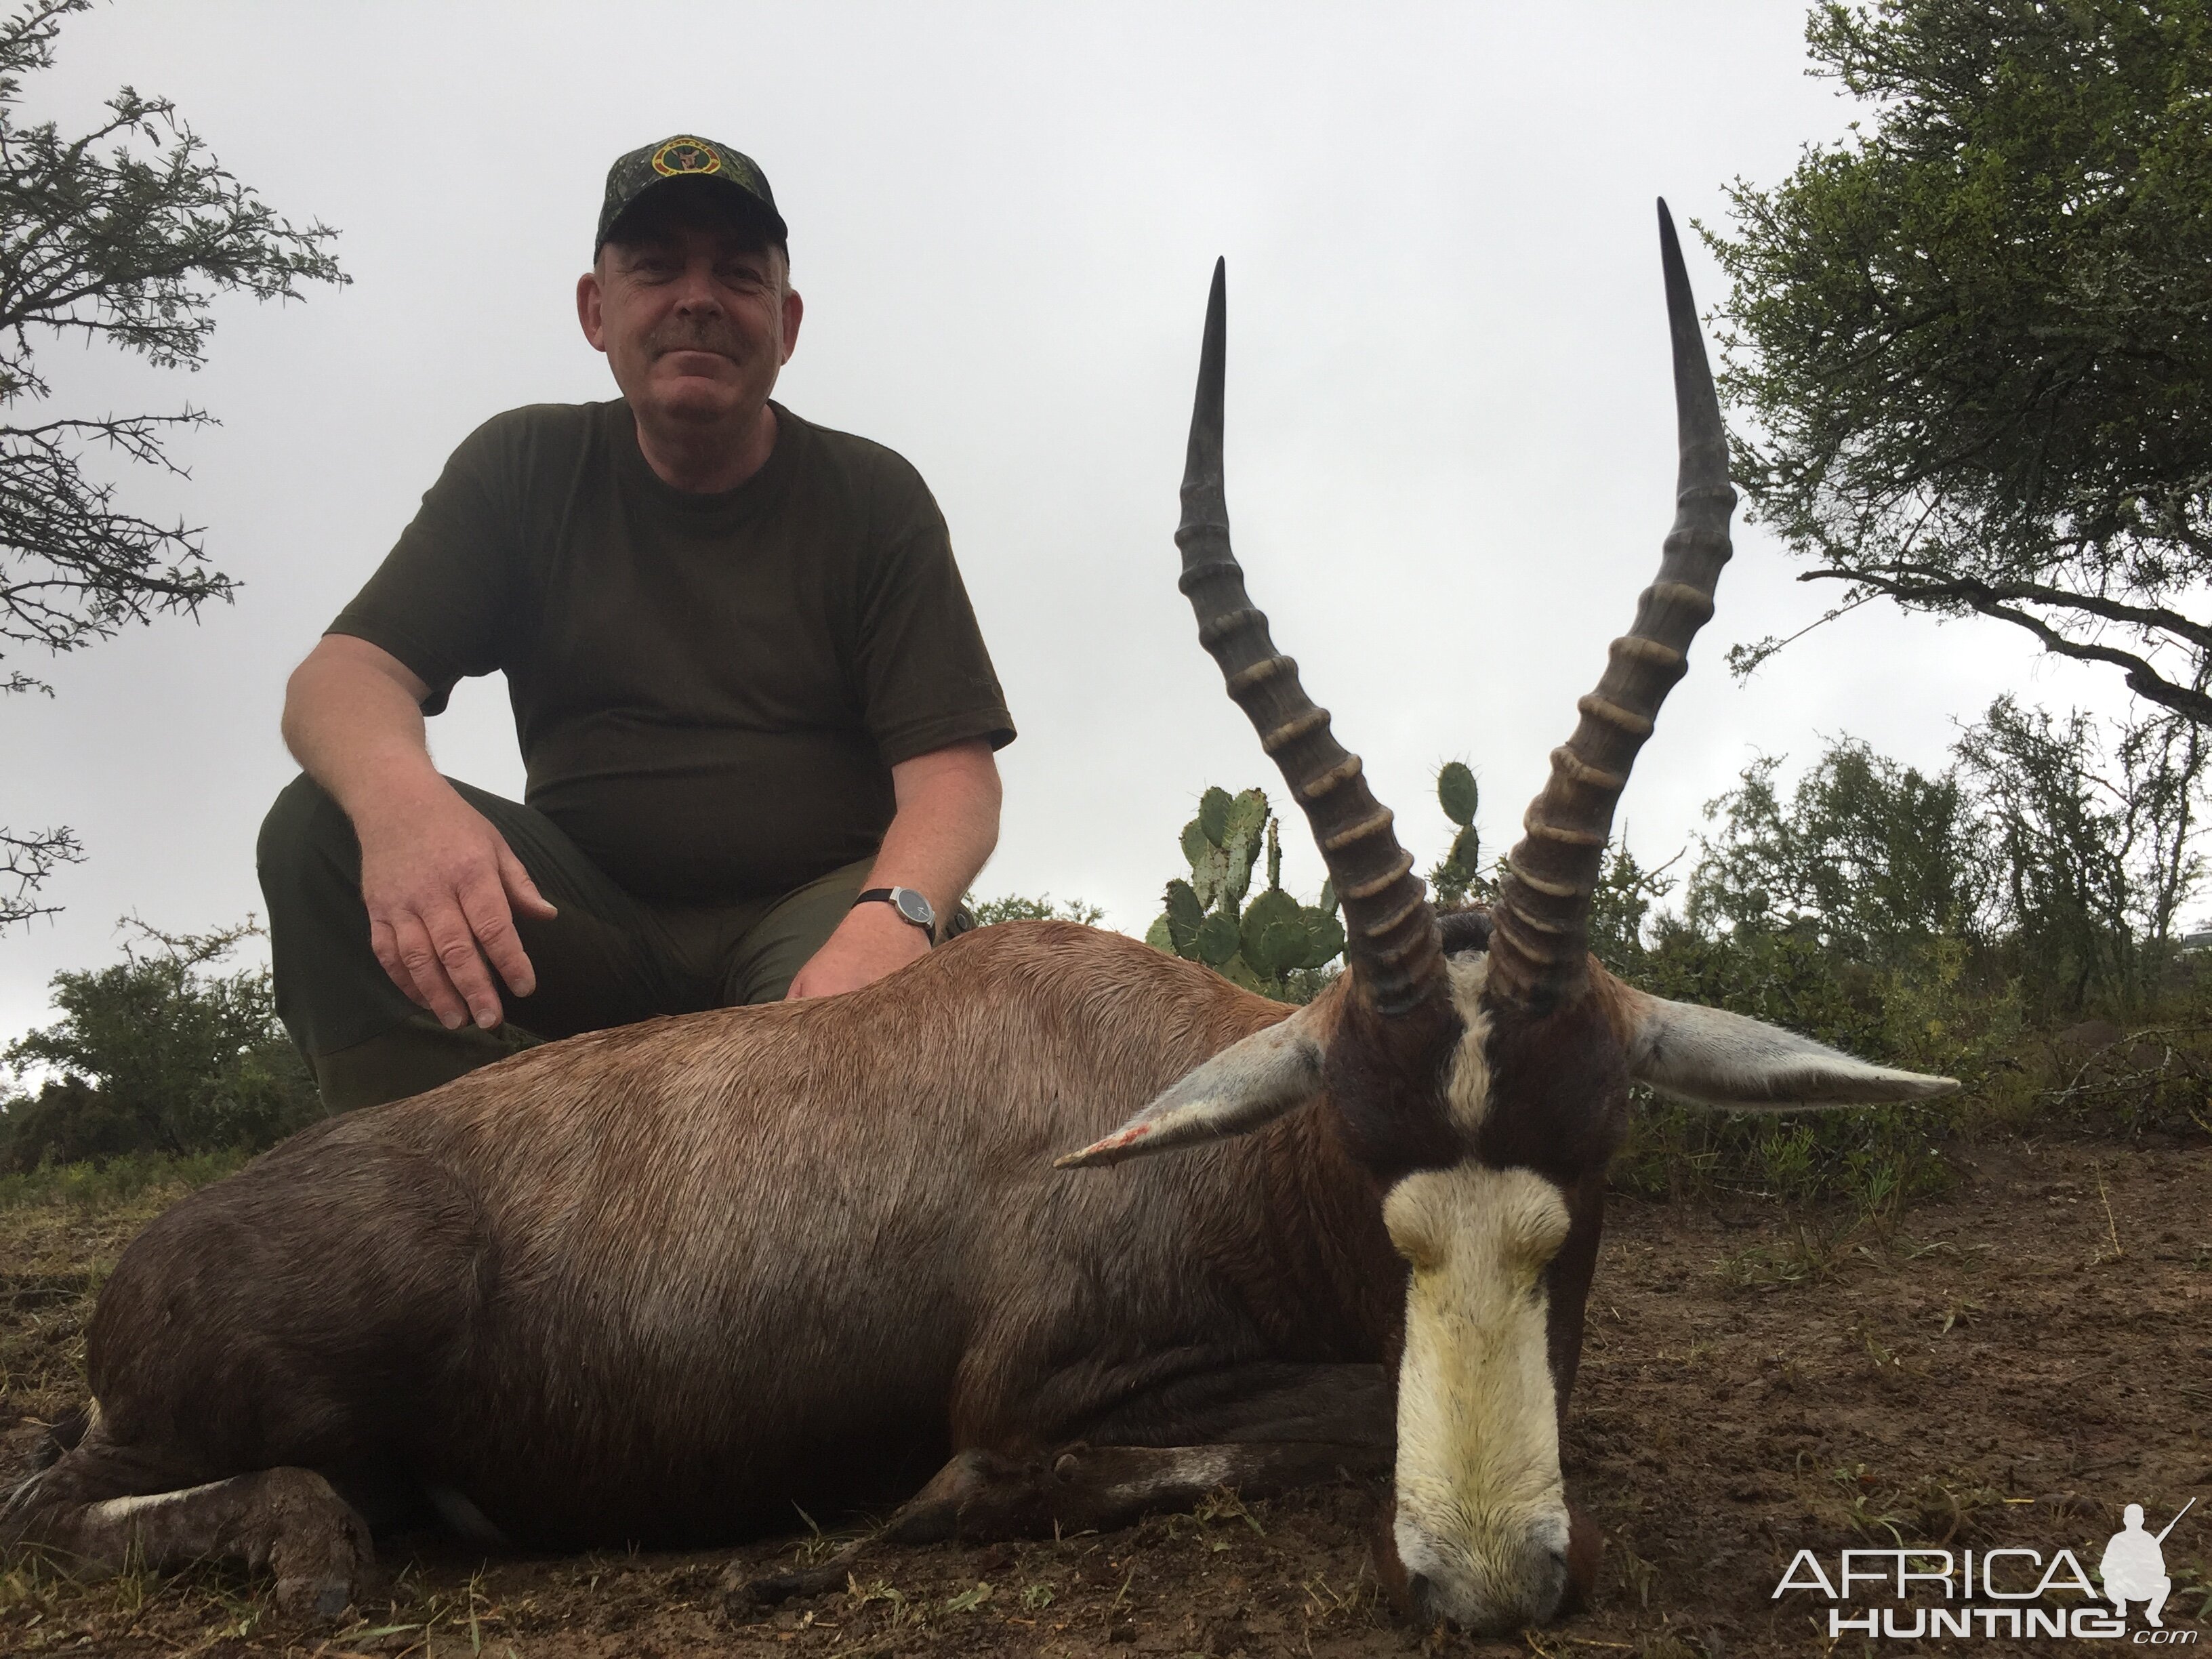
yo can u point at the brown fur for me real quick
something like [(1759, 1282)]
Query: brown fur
[(659, 1283)]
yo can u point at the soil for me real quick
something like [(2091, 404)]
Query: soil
[(2007, 1366)]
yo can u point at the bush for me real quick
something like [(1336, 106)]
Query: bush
[(1950, 925), (157, 1055), (1014, 907)]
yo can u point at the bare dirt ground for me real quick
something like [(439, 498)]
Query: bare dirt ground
[(2009, 1365)]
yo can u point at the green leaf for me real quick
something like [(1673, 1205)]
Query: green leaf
[(1160, 937), (1456, 792), (1184, 915), (1217, 939), (1328, 896), (1214, 814), (1466, 855)]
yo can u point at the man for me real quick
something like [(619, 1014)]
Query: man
[(757, 714)]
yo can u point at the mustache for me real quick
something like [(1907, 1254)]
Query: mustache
[(694, 334)]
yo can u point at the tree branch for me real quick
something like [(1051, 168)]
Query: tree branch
[(2142, 679)]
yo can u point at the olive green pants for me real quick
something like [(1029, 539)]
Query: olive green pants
[(606, 959)]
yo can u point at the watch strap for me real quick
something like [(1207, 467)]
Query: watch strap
[(891, 896)]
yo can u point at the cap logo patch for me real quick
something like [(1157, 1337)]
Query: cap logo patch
[(683, 155)]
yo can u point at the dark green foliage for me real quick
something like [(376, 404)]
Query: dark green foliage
[(1974, 340), (2056, 854), (1936, 924), (68, 1121), (1275, 944), (123, 235), (1014, 907), (2094, 843), (157, 1053), (1871, 856), (1620, 909)]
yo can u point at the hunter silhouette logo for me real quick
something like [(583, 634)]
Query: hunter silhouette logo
[(2006, 1591), (2134, 1567), (682, 155)]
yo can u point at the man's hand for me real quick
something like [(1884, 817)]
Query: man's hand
[(438, 881), (946, 823), (871, 941)]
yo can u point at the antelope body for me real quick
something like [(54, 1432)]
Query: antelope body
[(657, 1284)]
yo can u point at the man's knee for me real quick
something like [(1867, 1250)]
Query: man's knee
[(305, 837)]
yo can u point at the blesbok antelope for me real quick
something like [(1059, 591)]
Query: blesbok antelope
[(656, 1284)]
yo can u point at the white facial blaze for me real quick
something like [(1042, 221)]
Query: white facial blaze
[(1466, 1092), (1481, 1508)]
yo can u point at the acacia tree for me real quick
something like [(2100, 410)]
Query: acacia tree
[(122, 234), (1975, 338)]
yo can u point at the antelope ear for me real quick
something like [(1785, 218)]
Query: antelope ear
[(1712, 1058), (1247, 1084)]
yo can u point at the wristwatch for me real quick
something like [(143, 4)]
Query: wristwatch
[(911, 906)]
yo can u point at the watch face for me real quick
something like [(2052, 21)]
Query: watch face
[(914, 907)]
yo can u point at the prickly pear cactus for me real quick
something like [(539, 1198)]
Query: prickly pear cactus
[(1461, 868), (1262, 946)]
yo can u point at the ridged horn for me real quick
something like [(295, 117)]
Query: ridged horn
[(1539, 938), (1391, 942)]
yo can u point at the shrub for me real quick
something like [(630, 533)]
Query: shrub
[(157, 1053)]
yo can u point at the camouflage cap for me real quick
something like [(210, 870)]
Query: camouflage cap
[(683, 157)]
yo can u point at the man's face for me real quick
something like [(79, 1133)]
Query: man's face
[(695, 315)]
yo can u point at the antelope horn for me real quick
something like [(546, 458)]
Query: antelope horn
[(1391, 942), (1539, 938)]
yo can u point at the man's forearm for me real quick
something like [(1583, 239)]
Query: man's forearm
[(355, 727), (946, 825)]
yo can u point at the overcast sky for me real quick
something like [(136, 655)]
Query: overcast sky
[(1450, 440)]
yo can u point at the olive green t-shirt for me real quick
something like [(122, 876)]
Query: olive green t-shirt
[(710, 690)]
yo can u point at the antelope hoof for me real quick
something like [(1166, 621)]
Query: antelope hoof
[(323, 1599), (321, 1548)]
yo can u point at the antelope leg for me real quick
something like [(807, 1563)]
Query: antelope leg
[(981, 1496), (287, 1520)]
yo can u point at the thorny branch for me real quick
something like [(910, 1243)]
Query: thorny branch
[(124, 236)]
